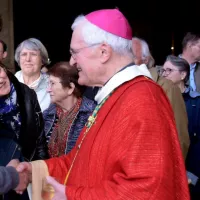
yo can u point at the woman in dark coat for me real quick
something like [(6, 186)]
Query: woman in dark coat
[(21, 123)]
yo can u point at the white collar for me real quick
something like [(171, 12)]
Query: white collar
[(36, 83), (121, 77)]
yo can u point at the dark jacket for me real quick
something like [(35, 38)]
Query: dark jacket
[(193, 111), (9, 179), (197, 76), (31, 140), (90, 92), (86, 108)]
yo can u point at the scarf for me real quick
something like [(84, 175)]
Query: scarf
[(9, 112), (60, 135)]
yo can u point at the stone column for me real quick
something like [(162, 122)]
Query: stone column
[(6, 32)]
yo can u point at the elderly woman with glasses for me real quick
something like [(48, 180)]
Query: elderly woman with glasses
[(69, 110), (177, 70), (21, 123), (32, 56)]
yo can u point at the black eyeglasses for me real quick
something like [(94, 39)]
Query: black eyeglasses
[(74, 52)]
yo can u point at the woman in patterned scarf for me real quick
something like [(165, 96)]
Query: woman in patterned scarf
[(69, 110)]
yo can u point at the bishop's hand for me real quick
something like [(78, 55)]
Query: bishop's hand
[(59, 189)]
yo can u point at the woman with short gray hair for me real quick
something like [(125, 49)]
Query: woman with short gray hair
[(31, 55), (177, 70)]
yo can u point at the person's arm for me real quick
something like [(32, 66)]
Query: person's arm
[(42, 150), (41, 146), (9, 179)]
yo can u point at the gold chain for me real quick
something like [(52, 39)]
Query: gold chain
[(89, 124), (91, 120)]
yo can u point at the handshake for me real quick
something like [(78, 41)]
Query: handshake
[(23, 171)]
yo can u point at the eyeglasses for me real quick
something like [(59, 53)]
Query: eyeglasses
[(167, 71), (52, 84), (74, 52)]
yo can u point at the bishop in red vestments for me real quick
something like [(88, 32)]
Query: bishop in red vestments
[(129, 148)]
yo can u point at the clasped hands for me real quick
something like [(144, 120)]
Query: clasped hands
[(25, 177), (24, 172)]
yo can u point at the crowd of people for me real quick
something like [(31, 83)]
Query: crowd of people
[(107, 124)]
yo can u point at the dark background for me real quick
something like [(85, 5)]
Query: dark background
[(155, 21)]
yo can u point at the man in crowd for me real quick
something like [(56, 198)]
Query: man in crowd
[(191, 53)]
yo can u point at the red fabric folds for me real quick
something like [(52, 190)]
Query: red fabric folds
[(132, 151)]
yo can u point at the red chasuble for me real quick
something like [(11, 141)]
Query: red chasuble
[(132, 151)]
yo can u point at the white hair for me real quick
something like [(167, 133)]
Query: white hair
[(145, 48), (95, 35), (146, 54), (33, 44)]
